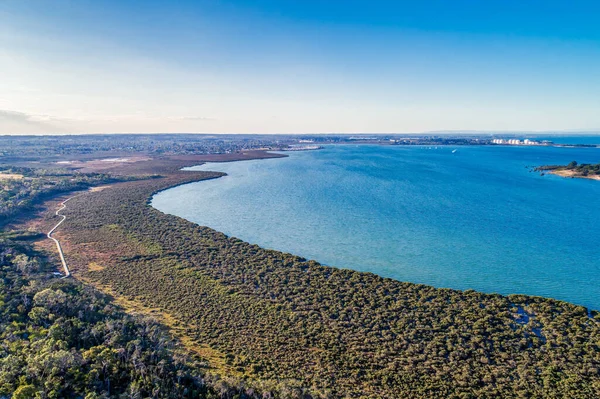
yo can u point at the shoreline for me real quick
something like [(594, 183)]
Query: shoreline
[(223, 174), (572, 170), (571, 174), (295, 318)]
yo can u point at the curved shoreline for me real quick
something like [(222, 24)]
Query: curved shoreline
[(337, 267), (573, 175), (331, 329)]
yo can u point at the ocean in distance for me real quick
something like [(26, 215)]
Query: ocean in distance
[(473, 219)]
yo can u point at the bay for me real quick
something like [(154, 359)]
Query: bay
[(475, 218)]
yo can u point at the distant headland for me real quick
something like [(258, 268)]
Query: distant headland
[(573, 169)]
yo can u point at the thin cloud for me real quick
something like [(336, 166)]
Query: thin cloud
[(191, 118), (18, 117), (39, 122)]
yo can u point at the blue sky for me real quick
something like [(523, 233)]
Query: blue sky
[(84, 66)]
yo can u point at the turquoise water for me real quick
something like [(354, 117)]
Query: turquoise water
[(473, 219)]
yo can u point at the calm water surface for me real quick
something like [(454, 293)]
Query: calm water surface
[(476, 218)]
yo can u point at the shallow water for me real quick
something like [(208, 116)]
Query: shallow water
[(476, 218)]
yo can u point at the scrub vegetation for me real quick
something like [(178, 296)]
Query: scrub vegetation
[(573, 169), (284, 321), (234, 320), (63, 339), (21, 188)]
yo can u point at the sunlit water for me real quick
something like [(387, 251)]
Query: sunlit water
[(476, 218)]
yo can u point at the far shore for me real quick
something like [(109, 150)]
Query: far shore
[(572, 174)]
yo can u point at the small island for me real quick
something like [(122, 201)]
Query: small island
[(573, 169)]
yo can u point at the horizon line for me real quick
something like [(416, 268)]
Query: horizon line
[(471, 132)]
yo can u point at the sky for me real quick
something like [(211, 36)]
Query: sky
[(306, 66)]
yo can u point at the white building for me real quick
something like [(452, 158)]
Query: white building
[(515, 142)]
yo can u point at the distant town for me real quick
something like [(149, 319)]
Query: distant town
[(20, 150)]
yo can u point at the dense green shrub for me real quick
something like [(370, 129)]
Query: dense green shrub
[(63, 339), (339, 333)]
